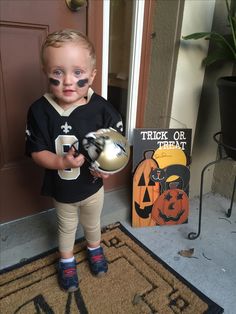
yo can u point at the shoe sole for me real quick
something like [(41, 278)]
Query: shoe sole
[(71, 289), (101, 274)]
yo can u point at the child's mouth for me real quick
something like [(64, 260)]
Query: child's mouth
[(68, 92)]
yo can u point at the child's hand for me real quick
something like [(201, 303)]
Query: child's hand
[(99, 174), (71, 160)]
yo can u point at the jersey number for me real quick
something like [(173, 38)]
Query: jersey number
[(63, 144)]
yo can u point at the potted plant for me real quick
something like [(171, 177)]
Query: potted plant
[(224, 50)]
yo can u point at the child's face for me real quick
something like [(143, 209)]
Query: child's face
[(70, 72)]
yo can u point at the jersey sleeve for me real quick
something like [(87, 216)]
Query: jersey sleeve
[(113, 119), (36, 133)]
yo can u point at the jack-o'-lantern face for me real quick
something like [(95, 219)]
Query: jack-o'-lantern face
[(171, 208), (145, 192)]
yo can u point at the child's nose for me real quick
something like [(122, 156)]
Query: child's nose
[(68, 79)]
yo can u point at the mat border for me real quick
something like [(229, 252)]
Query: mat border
[(214, 308)]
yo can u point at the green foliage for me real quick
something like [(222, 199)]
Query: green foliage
[(225, 44)]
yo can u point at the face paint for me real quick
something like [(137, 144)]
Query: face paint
[(82, 83), (54, 82)]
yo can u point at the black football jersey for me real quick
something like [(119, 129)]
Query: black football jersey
[(51, 128)]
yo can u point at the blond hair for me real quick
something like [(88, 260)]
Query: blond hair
[(58, 38)]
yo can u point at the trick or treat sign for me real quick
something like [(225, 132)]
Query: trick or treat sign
[(161, 159)]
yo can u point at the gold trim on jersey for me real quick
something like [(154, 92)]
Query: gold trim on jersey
[(60, 110)]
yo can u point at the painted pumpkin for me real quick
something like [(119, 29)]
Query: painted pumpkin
[(171, 208), (145, 191)]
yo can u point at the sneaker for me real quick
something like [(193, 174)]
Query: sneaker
[(67, 276), (97, 262)]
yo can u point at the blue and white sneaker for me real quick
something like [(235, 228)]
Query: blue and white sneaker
[(67, 276), (97, 262)]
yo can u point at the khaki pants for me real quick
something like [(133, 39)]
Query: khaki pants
[(87, 213)]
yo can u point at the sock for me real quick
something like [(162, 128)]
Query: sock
[(93, 248), (67, 260)]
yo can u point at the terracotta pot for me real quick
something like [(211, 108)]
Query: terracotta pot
[(227, 102)]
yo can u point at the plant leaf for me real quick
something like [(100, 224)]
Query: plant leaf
[(218, 55), (224, 46), (196, 35)]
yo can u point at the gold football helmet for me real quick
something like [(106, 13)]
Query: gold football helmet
[(108, 150)]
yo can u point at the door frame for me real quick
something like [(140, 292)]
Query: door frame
[(138, 80), (95, 34), (139, 61)]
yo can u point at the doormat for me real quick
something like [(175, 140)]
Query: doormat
[(137, 282)]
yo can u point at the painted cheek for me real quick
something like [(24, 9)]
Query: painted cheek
[(54, 82), (82, 83)]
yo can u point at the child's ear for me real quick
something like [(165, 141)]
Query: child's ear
[(44, 69), (92, 76)]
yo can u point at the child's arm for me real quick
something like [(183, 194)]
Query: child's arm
[(49, 160), (99, 174)]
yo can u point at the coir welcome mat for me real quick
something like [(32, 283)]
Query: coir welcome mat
[(137, 282)]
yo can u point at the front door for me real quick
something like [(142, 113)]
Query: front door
[(24, 25)]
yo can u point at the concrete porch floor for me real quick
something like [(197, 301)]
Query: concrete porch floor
[(212, 268)]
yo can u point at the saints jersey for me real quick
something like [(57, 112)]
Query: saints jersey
[(51, 128)]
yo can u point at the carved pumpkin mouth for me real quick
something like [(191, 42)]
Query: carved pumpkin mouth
[(143, 213), (171, 218)]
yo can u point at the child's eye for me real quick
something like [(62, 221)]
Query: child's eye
[(78, 72), (57, 73)]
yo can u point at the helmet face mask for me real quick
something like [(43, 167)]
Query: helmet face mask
[(108, 150)]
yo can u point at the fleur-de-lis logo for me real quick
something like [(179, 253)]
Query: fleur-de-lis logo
[(27, 132), (66, 128), (119, 126)]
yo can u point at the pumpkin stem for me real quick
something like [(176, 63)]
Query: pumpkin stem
[(148, 154), (173, 185)]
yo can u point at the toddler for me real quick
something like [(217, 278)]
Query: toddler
[(54, 123)]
